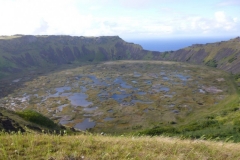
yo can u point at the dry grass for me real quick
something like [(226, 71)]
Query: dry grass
[(42, 146)]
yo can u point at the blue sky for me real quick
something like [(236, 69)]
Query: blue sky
[(130, 19)]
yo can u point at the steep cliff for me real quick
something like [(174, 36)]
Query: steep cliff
[(20, 52), (224, 55)]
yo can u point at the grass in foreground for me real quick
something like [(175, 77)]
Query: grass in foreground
[(43, 146)]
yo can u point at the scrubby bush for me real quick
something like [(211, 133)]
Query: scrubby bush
[(160, 130), (37, 118), (212, 63)]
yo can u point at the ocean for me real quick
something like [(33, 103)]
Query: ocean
[(174, 44)]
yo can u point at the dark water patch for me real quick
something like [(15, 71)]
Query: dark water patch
[(108, 119), (139, 101), (122, 83), (136, 74), (182, 77), (65, 120), (103, 95), (135, 89), (121, 90), (141, 93), (165, 78), (79, 99), (161, 89), (110, 111), (146, 110), (86, 124), (96, 81), (60, 90), (153, 75), (148, 82), (119, 97), (83, 89), (78, 77), (175, 111), (162, 73), (75, 85), (60, 108), (165, 89), (118, 81)]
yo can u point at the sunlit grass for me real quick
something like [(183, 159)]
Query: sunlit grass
[(44, 146)]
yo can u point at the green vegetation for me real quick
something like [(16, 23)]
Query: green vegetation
[(37, 118), (45, 146), (27, 121), (18, 55), (150, 98), (148, 56), (206, 106), (212, 63), (220, 122), (173, 112), (232, 59), (165, 54)]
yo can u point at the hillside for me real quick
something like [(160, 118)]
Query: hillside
[(90, 147), (21, 53), (144, 97), (26, 121), (223, 55)]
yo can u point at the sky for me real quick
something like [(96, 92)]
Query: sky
[(129, 19)]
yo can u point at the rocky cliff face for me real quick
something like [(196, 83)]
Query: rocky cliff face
[(224, 55), (20, 52)]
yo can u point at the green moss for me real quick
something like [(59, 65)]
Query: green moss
[(165, 54), (232, 59), (212, 63), (148, 56), (37, 118)]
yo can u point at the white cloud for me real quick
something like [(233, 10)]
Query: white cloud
[(219, 24), (94, 8), (74, 18), (220, 17)]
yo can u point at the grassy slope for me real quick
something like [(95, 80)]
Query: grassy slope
[(227, 61), (43, 146), (26, 120), (220, 122)]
